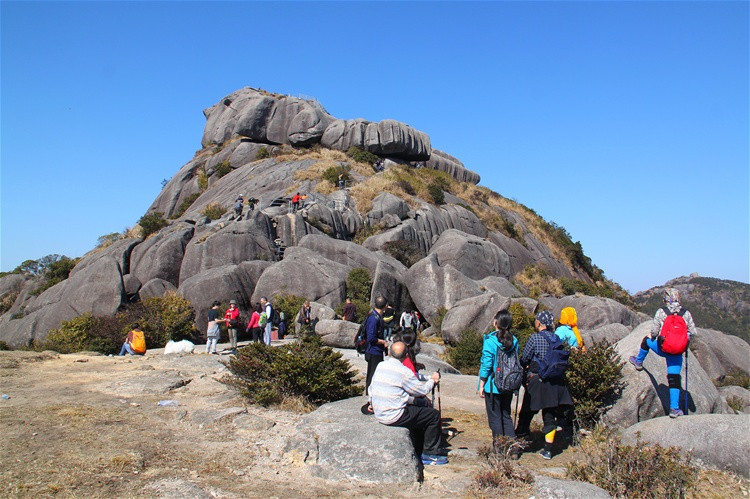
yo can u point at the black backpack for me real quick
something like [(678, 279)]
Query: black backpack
[(555, 363), (360, 339), (274, 319), (508, 374)]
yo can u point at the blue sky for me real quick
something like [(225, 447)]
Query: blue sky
[(624, 122)]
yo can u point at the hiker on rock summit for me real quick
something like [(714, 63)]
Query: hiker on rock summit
[(671, 311)]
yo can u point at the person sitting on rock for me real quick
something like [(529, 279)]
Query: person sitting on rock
[(674, 361), (393, 384), (135, 342)]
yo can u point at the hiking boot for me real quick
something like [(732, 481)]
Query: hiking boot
[(433, 460), (676, 413), (638, 365), (545, 454)]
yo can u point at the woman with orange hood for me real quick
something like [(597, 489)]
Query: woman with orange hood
[(568, 328)]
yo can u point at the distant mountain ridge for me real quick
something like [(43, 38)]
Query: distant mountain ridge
[(714, 303)]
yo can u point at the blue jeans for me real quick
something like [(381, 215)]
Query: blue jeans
[(267, 334), (126, 348)]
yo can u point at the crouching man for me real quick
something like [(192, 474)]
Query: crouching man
[(393, 386)]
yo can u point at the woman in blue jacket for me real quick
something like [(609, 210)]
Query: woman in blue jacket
[(497, 402)]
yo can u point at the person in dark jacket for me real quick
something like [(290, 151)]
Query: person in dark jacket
[(551, 396), (376, 344)]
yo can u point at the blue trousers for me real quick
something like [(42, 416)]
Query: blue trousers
[(674, 366)]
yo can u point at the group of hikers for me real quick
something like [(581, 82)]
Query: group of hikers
[(397, 392)]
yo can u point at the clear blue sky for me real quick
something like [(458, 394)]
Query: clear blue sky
[(624, 122)]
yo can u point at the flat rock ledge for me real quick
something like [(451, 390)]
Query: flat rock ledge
[(338, 442)]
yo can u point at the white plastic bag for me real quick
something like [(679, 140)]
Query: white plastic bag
[(183, 346)]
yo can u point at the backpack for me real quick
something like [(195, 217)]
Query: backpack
[(360, 339), (138, 344), (673, 338), (263, 320), (275, 318), (555, 363), (508, 373)]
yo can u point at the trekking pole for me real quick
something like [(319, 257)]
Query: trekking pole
[(686, 379), (440, 409), (515, 414)]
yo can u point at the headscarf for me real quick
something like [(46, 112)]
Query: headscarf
[(546, 319), (569, 317), (672, 299)]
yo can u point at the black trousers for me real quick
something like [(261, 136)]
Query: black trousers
[(424, 427), (372, 363), (498, 414)]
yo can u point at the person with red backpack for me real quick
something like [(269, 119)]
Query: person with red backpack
[(671, 331)]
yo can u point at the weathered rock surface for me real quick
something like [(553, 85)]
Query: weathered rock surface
[(444, 162), (343, 444), (611, 333), (474, 257), (720, 353), (719, 441), (646, 393), (475, 313), (594, 311), (547, 487), (738, 394), (337, 333), (160, 256)]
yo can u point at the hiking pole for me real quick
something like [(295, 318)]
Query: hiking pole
[(515, 415), (686, 379), (440, 409)]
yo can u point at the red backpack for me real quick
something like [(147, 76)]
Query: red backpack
[(673, 338)]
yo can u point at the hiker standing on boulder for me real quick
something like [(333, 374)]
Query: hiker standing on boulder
[(671, 331), (295, 202), (232, 319), (406, 321), (497, 402), (376, 344), (213, 331), (392, 386), (238, 207), (548, 393)]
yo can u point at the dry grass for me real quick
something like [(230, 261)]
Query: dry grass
[(538, 281)]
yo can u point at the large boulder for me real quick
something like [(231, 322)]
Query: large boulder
[(433, 287), (306, 273), (160, 256), (719, 441), (222, 283), (646, 393), (594, 311), (611, 333), (386, 205), (233, 244), (347, 253), (444, 162), (719, 353), (472, 256), (475, 313), (337, 333), (737, 395), (340, 443)]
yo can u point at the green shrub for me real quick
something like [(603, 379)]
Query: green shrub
[(222, 169), (523, 324), (7, 301), (76, 335), (594, 381), (499, 473), (734, 402), (406, 252), (640, 470), (332, 173), (290, 305), (306, 368), (167, 317), (437, 324), (362, 308), (406, 186), (262, 153), (151, 222), (359, 284), (202, 179), (467, 352), (366, 231), (4, 345), (185, 204), (213, 211), (107, 239), (436, 193), (362, 156), (56, 272)]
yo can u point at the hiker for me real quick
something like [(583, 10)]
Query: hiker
[(232, 319), (498, 402), (282, 326), (388, 315), (135, 342), (253, 326), (268, 310), (376, 344), (568, 331), (295, 202), (238, 207), (213, 331), (392, 386), (672, 312), (304, 318), (551, 394), (350, 311), (251, 203), (406, 321)]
